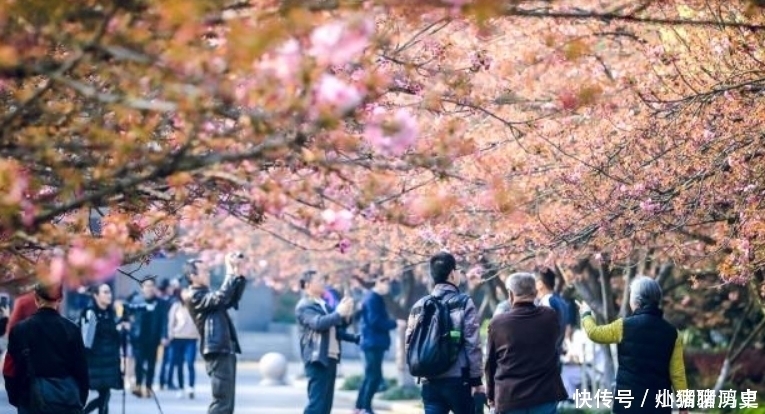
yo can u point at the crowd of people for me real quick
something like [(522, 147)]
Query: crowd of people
[(53, 364)]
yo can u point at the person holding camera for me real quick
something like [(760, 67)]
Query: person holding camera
[(219, 343), (321, 330)]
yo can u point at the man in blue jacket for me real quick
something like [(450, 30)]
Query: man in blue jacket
[(375, 340)]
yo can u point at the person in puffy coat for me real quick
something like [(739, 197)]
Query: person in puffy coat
[(99, 327)]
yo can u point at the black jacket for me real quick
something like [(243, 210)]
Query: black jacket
[(148, 322), (644, 355), (56, 351), (210, 312), (104, 355)]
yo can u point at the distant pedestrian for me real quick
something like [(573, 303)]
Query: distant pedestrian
[(46, 348), (183, 335), (148, 327), (102, 339), (375, 341)]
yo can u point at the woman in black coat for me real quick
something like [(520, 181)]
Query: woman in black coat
[(102, 342)]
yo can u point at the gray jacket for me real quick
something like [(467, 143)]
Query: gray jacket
[(315, 324), (210, 312), (472, 335)]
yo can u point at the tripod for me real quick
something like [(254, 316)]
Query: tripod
[(124, 367)]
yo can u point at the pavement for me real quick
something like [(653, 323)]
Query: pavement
[(251, 397)]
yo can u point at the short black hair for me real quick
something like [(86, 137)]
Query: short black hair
[(191, 268), (307, 277), (441, 265), (149, 278), (547, 277)]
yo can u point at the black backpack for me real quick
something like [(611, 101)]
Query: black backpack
[(433, 345)]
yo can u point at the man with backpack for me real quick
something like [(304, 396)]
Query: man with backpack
[(443, 345)]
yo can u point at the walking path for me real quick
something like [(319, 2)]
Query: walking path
[(251, 398)]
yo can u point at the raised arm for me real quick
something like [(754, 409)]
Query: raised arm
[(602, 334), (210, 301)]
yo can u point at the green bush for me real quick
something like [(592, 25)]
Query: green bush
[(396, 393), (353, 383)]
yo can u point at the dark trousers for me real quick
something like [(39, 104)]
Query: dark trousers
[(321, 386), (184, 353), (166, 368), (145, 364), (439, 396), (373, 377), (100, 403), (222, 371)]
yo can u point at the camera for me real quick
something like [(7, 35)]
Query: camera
[(237, 255)]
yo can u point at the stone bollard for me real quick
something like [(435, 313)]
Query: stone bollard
[(273, 368)]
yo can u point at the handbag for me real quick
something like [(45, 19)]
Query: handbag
[(88, 328), (50, 395)]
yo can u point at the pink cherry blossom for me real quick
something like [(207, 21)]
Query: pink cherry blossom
[(79, 257), (104, 267), (337, 95), (283, 62), (344, 245), (395, 137), (339, 221), (338, 43), (58, 269)]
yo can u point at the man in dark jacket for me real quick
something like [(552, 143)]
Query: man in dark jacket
[(55, 350), (219, 343), (455, 389), (148, 327), (321, 330), (522, 374), (375, 340)]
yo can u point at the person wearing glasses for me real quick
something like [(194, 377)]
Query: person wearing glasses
[(375, 341)]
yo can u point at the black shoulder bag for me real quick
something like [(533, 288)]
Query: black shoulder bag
[(51, 395)]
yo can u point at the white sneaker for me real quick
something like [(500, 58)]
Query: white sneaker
[(179, 394)]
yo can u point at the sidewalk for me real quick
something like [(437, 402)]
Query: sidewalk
[(251, 397), (355, 367)]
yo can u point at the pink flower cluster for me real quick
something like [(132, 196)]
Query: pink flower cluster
[(336, 96), (391, 137), (340, 42), (339, 221), (84, 261)]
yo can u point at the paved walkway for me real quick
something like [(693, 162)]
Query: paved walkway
[(251, 398)]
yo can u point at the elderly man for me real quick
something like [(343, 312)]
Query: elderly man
[(521, 368)]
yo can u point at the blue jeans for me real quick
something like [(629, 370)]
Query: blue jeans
[(440, 396), (166, 367), (373, 377), (546, 408), (184, 353)]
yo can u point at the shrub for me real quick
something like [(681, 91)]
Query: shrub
[(410, 392)]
